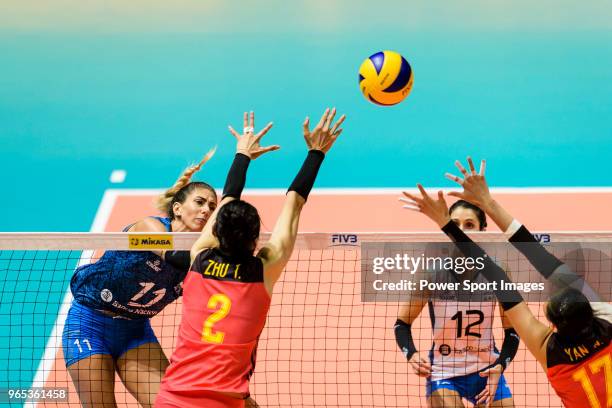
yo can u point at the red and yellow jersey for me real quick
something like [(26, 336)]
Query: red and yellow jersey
[(225, 305), (581, 373)]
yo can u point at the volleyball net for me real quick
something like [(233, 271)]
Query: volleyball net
[(328, 339)]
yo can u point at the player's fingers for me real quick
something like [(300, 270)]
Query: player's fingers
[(338, 123), (471, 165), (411, 208), (411, 204), (454, 178), (424, 364), (330, 119), (412, 197), (408, 200), (423, 373), (461, 168), (323, 118), (422, 190), (269, 148), (252, 125), (306, 130), (425, 368), (334, 137), (245, 120), (456, 194), (483, 167), (263, 131), (483, 397), (482, 394), (233, 132), (440, 195), (418, 369)]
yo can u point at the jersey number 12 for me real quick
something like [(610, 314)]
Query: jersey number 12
[(459, 317)]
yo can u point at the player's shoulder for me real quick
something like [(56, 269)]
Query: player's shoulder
[(203, 256), (561, 350), (150, 224)]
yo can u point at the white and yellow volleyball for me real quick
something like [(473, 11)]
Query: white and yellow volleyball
[(385, 78)]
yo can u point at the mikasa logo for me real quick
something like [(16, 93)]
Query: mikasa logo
[(149, 241), (157, 241)]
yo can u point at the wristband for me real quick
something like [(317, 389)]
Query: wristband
[(236, 176), (304, 180)]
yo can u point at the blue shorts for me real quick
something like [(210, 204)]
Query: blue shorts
[(88, 332), (469, 386)]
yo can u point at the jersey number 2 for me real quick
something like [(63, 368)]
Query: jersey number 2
[(221, 304), (581, 376)]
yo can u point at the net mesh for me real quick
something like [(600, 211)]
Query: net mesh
[(321, 346)]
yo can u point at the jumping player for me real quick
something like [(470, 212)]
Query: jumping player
[(227, 290), (107, 329), (577, 354)]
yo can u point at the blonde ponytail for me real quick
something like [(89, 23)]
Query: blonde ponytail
[(162, 202)]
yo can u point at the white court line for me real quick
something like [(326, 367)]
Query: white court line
[(384, 190), (54, 341)]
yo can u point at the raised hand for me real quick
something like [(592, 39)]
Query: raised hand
[(436, 210), (323, 136), (248, 141), (475, 188)]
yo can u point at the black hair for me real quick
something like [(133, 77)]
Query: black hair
[(237, 228), (571, 313), (482, 217), (181, 195)]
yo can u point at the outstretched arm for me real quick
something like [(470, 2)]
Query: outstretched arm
[(476, 191), (533, 332), (276, 252), (247, 149)]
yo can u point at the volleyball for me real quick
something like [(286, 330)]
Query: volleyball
[(385, 78)]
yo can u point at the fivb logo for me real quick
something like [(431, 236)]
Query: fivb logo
[(344, 239), (542, 238)]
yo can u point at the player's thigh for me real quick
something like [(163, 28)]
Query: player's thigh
[(141, 370), (94, 380), (445, 398)]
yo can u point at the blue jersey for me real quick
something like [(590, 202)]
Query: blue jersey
[(132, 284)]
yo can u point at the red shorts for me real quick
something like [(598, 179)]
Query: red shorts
[(208, 399)]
